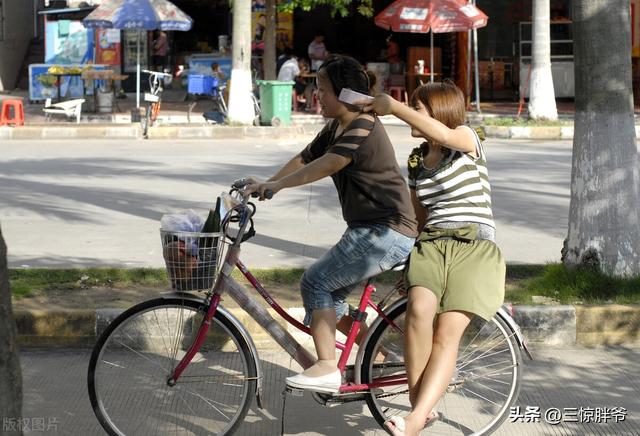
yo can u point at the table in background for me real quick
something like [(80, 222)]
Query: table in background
[(109, 77), (58, 77)]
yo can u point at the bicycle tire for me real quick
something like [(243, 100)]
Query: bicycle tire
[(146, 121), (131, 362), (459, 413)]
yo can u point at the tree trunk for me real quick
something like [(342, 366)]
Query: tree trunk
[(10, 374), (542, 98), (240, 104), (603, 214), (269, 55)]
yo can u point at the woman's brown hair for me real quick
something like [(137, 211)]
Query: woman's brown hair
[(444, 101)]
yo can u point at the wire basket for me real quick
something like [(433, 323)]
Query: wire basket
[(191, 259)]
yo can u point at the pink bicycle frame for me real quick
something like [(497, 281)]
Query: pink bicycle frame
[(345, 348)]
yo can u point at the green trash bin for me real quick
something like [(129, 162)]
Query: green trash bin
[(275, 102)]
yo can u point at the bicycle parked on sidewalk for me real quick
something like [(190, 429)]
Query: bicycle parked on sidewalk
[(153, 99), (183, 364)]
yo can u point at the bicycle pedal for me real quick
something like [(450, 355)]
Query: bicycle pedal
[(294, 392)]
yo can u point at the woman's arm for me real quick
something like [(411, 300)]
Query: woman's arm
[(320, 168), (460, 138), (420, 210), (290, 167)]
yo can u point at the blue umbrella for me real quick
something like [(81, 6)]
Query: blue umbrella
[(138, 15)]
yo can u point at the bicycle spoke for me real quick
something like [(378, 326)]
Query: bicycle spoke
[(480, 391), (130, 388)]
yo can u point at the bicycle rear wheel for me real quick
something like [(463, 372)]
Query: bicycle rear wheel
[(132, 361), (484, 386)]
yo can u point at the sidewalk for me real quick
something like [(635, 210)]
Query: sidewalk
[(176, 120), (592, 380)]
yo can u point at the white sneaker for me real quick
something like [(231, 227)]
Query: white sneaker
[(329, 383)]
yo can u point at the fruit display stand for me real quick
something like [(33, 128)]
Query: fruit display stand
[(58, 81)]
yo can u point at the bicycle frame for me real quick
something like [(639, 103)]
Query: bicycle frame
[(225, 283)]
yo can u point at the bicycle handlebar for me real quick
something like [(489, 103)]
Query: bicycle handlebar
[(241, 183), (157, 73)]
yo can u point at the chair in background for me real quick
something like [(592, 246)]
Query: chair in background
[(399, 93), (69, 108), (8, 105)]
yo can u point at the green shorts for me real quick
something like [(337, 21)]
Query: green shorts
[(464, 274)]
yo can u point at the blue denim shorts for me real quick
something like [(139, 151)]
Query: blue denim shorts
[(361, 253)]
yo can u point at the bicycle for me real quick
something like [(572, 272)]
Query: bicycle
[(153, 98), (183, 364), (219, 112)]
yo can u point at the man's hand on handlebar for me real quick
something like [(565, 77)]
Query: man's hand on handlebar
[(263, 190)]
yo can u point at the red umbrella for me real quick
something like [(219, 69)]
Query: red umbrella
[(435, 16)]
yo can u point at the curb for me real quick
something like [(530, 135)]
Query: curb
[(157, 132), (304, 125), (540, 325)]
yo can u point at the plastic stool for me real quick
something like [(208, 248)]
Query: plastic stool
[(18, 112), (399, 93)]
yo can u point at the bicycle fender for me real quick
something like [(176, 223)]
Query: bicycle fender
[(504, 313), (241, 328)]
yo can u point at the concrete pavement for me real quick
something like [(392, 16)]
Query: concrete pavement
[(99, 202), (567, 379)]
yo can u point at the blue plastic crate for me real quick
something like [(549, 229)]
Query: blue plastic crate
[(201, 84)]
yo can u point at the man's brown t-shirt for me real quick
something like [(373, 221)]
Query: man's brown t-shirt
[(371, 188)]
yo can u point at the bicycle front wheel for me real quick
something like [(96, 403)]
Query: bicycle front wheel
[(485, 384), (133, 359)]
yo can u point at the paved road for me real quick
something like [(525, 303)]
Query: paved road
[(99, 202), (594, 379)]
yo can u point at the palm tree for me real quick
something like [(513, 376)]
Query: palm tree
[(604, 214), (240, 104), (542, 100)]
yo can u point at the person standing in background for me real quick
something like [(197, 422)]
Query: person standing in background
[(317, 51), (160, 50)]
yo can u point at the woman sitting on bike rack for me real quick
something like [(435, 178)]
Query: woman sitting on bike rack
[(456, 269), (355, 151)]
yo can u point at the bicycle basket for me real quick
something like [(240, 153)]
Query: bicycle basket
[(191, 259)]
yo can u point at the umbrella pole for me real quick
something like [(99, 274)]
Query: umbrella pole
[(477, 81), (138, 74), (431, 56), (468, 78)]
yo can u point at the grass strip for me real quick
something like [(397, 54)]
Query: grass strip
[(553, 281)]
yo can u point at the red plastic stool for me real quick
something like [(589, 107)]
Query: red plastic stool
[(18, 112), (399, 93)]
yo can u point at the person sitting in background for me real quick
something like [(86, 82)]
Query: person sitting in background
[(304, 85), (290, 69), (217, 72)]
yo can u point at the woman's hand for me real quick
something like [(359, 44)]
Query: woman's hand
[(382, 104), (261, 188)]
